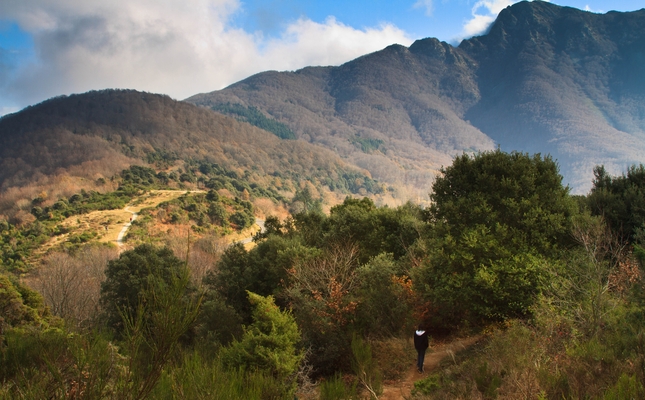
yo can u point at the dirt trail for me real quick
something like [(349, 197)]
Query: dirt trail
[(401, 390), (110, 224)]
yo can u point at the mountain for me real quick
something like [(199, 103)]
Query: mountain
[(544, 79), (71, 142)]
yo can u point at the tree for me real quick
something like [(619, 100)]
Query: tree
[(620, 200), (375, 230), (321, 291), (384, 309), (152, 331), (269, 343), (18, 304), (516, 195), (129, 276), (71, 284), (495, 218)]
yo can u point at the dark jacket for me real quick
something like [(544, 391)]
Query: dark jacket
[(421, 341)]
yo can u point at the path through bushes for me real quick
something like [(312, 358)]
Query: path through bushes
[(438, 352)]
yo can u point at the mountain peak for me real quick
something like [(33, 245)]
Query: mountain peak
[(544, 79)]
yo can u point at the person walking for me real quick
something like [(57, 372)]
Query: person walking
[(421, 345)]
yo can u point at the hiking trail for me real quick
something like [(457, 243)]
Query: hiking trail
[(402, 389)]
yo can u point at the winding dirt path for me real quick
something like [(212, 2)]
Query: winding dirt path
[(113, 225), (124, 230), (402, 389), (110, 225)]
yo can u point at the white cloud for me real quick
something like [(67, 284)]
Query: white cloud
[(427, 5), (484, 13), (309, 43), (588, 8), (175, 47)]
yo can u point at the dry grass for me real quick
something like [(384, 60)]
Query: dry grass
[(107, 223)]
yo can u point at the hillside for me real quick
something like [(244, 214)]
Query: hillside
[(545, 79), (82, 141)]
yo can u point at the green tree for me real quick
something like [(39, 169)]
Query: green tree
[(153, 330), (383, 310), (19, 305), (269, 343), (129, 276), (518, 195), (262, 270), (495, 218), (620, 200), (303, 200), (374, 230)]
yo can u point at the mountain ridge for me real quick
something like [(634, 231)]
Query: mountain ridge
[(70, 143), (543, 79)]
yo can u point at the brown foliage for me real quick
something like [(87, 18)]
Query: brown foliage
[(327, 281), (71, 284)]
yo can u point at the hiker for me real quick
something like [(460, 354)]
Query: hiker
[(421, 344)]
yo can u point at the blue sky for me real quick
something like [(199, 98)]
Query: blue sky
[(183, 47)]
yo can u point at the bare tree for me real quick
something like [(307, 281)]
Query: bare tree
[(591, 276), (203, 254), (71, 285), (327, 280)]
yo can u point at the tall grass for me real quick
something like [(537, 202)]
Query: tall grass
[(198, 378), (365, 367)]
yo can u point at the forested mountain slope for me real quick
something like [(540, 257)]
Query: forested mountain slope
[(92, 136), (545, 78)]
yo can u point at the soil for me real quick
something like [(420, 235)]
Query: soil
[(438, 352)]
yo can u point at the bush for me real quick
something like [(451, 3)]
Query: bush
[(268, 344), (129, 276), (365, 368), (196, 378), (428, 385), (627, 387), (336, 389)]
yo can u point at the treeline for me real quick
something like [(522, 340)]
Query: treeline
[(323, 305)]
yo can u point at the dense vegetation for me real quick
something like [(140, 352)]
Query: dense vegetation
[(555, 291), (209, 213), (255, 117)]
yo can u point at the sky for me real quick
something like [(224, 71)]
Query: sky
[(184, 47)]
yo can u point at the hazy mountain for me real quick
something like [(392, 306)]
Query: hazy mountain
[(545, 79)]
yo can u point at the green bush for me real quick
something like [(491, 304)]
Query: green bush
[(129, 276), (627, 387), (196, 378), (428, 385), (335, 388), (269, 344), (365, 367)]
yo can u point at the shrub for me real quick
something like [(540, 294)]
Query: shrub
[(336, 389), (365, 368), (129, 276), (268, 344)]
